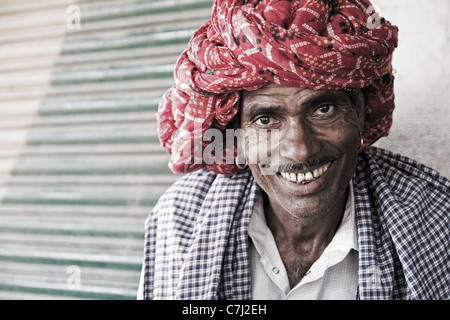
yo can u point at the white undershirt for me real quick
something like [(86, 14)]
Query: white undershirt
[(334, 276)]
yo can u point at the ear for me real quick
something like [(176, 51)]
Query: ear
[(359, 99)]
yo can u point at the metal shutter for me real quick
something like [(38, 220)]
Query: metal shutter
[(80, 162)]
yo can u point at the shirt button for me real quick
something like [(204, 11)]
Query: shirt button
[(276, 270), (308, 273)]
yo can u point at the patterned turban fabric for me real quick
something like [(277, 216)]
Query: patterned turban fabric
[(318, 44)]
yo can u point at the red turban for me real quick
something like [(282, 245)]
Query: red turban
[(319, 44)]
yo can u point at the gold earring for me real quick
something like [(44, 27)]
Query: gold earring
[(361, 143), (240, 166)]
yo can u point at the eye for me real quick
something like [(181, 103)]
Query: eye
[(324, 109), (264, 120)]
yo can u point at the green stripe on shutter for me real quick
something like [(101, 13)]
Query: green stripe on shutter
[(80, 163)]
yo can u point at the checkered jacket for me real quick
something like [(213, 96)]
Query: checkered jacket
[(197, 235)]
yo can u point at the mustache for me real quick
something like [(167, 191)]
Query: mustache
[(316, 161)]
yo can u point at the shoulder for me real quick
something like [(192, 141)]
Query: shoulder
[(404, 176), (398, 183), (189, 189), (408, 203), (182, 200), (193, 191)]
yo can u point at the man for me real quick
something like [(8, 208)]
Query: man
[(330, 217)]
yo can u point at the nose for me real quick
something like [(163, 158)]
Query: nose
[(298, 142)]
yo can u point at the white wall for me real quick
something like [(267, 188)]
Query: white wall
[(422, 115)]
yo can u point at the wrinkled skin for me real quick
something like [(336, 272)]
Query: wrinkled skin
[(315, 128)]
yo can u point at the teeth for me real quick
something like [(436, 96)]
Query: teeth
[(316, 173), (306, 177)]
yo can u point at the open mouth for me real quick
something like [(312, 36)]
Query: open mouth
[(306, 177)]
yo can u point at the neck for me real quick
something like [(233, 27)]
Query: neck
[(300, 230)]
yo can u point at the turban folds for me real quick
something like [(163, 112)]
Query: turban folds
[(318, 44)]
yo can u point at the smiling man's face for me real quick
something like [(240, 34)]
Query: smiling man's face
[(319, 137)]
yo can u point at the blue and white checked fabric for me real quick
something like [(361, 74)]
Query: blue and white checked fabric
[(197, 235)]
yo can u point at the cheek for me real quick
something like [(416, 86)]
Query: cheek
[(345, 139), (260, 147), (249, 143), (243, 144), (266, 182), (344, 134)]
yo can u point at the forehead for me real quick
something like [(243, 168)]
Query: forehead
[(273, 90), (284, 95)]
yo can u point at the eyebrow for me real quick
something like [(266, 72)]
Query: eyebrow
[(255, 109), (336, 95), (258, 108)]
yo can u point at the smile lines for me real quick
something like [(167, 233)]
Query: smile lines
[(306, 177)]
